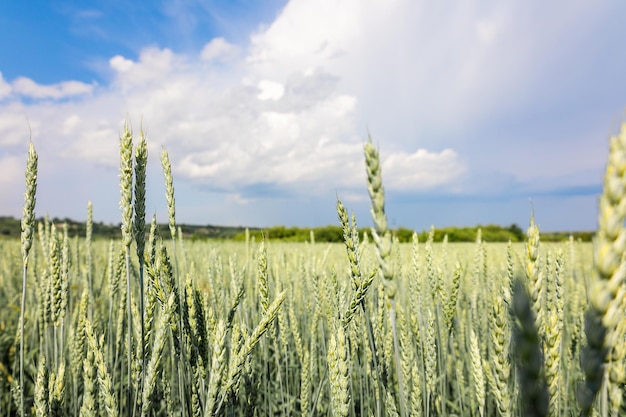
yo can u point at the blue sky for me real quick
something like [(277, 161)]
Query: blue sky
[(481, 110)]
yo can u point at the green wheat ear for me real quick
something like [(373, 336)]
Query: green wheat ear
[(380, 233), (139, 227), (126, 185), (28, 217), (169, 191), (528, 355), (28, 228), (606, 293)]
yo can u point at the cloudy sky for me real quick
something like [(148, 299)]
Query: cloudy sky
[(481, 110)]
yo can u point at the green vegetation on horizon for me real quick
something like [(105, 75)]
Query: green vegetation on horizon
[(10, 227)]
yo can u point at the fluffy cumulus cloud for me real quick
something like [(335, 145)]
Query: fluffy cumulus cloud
[(5, 88), (30, 89), (288, 112), (219, 49), (23, 87)]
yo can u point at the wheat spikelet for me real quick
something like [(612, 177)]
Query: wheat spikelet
[(476, 370), (313, 329), (534, 274), (430, 357), (552, 336), (528, 355), (510, 269), (390, 405), (352, 246), (137, 359), (339, 372), (105, 382), (126, 185), (65, 277), (242, 354), (295, 332), (88, 246), (152, 244), (415, 405), (79, 338), (407, 354), (218, 366), (360, 286), (169, 191), (283, 332), (604, 313), (28, 225), (166, 274), (500, 367), (196, 406), (236, 302), (380, 234), (200, 328), (152, 369), (126, 206), (139, 225), (139, 229), (431, 274), (89, 407), (121, 302), (449, 308), (262, 277), (57, 390), (383, 241), (188, 334), (54, 272), (28, 216), (616, 371), (305, 383), (42, 405), (358, 298)]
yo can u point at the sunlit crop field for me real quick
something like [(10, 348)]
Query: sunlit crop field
[(155, 325), (451, 298)]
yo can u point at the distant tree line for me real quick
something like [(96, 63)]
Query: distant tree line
[(11, 227), (489, 233)]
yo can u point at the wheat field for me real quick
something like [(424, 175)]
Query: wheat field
[(154, 325)]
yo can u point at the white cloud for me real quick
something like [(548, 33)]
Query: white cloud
[(29, 88), (270, 90), (5, 88), (153, 68), (121, 64), (12, 183), (14, 126), (289, 111), (12, 171), (422, 169), (219, 49), (71, 123)]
